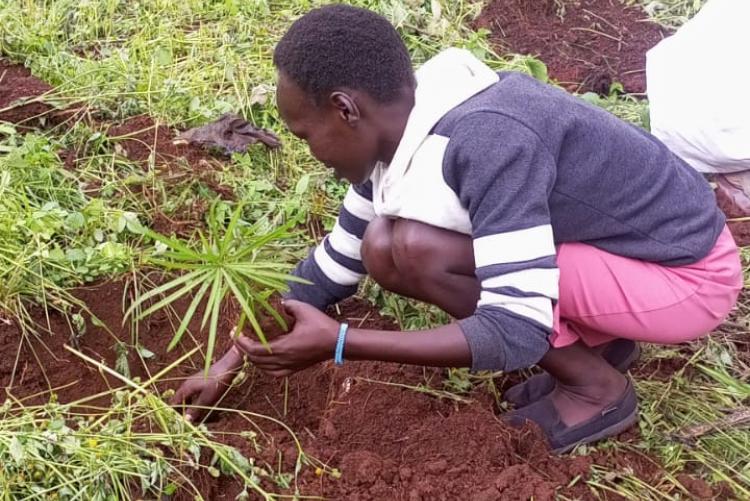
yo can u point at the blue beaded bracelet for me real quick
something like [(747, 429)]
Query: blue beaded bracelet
[(338, 355)]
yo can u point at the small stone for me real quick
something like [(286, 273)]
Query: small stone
[(437, 467), (456, 470), (405, 473), (489, 494), (328, 430)]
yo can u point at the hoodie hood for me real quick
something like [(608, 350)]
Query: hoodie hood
[(443, 82)]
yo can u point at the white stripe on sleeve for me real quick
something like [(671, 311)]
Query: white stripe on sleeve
[(535, 308), (359, 205), (544, 281), (514, 246), (333, 270), (345, 243)]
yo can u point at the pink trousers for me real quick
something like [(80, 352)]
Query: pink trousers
[(604, 296)]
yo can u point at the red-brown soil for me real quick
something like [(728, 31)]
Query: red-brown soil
[(740, 229), (135, 138), (150, 143), (16, 83), (140, 137), (22, 100), (390, 442), (586, 44)]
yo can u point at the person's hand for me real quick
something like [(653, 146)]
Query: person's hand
[(312, 340), (203, 390)]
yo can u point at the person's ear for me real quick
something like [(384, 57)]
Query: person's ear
[(346, 107)]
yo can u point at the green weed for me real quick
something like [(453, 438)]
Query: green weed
[(52, 235)]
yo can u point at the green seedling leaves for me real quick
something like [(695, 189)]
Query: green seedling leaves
[(230, 260)]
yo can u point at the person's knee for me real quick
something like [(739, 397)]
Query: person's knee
[(414, 250), (377, 252)]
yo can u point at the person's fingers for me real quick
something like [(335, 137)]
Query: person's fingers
[(251, 348), (264, 359), (295, 308), (192, 415), (183, 398), (206, 398), (182, 395)]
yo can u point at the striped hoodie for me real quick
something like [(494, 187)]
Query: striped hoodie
[(520, 167)]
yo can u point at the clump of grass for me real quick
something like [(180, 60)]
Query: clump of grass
[(706, 396), (139, 446), (670, 13), (52, 235)]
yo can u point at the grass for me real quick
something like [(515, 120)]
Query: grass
[(139, 444), (670, 13), (52, 234), (186, 63)]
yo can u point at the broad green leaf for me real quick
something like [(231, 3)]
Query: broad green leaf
[(302, 184), (16, 450), (145, 352), (538, 69)]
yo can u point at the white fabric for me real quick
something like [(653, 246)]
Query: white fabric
[(345, 243), (699, 88), (514, 246), (358, 205), (422, 193), (412, 185), (535, 308), (337, 273)]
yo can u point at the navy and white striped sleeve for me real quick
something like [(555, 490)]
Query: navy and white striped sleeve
[(335, 266), (503, 174)]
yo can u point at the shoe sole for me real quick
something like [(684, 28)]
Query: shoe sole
[(608, 432)]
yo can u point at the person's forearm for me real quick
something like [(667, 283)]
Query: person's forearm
[(442, 347)]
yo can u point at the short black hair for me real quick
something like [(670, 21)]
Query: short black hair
[(343, 46)]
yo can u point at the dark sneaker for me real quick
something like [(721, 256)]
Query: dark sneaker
[(620, 354), (613, 420)]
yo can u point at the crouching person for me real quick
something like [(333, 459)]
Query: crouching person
[(554, 233)]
